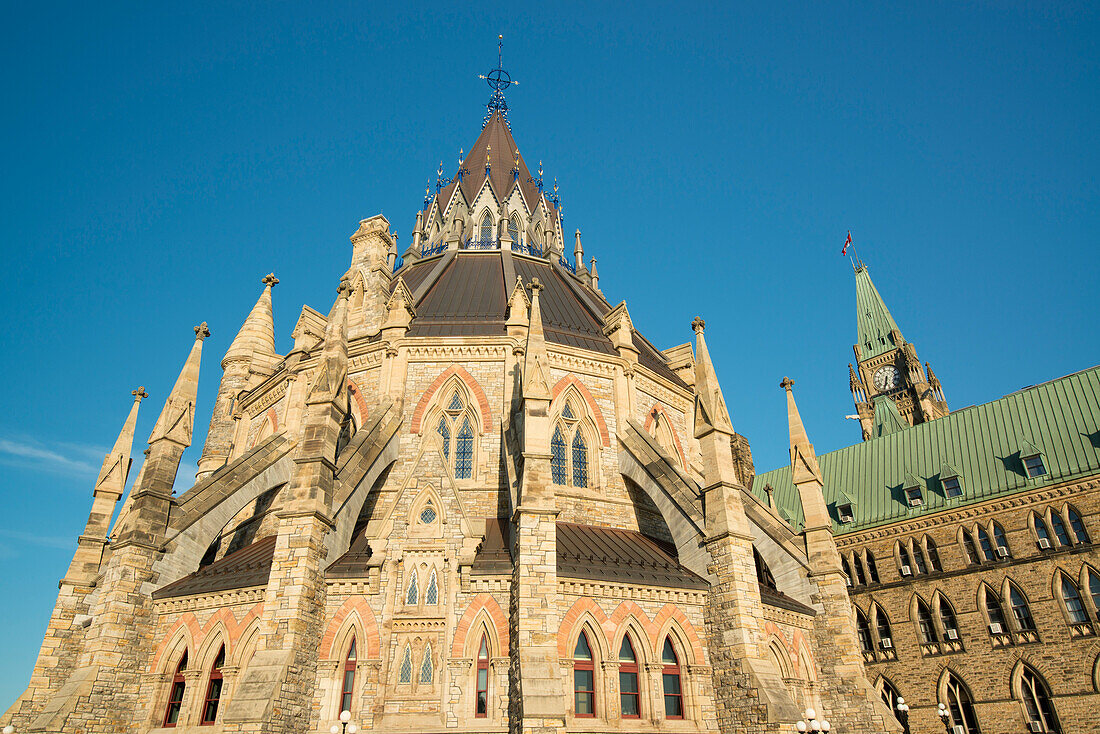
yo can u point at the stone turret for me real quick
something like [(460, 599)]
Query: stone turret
[(251, 354), (109, 488), (370, 270)]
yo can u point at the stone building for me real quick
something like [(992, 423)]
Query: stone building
[(472, 498), (967, 540)]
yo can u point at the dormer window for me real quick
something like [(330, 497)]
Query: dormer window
[(1034, 466), (844, 512), (914, 497), (952, 487)]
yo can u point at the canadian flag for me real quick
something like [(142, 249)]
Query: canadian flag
[(844, 250)]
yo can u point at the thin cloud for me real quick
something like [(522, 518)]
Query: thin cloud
[(46, 541), (33, 455)]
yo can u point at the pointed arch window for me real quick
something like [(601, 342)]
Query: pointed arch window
[(486, 233), (906, 560), (428, 514), (1075, 608), (872, 567), (431, 595), (427, 667), (847, 570), (1035, 695), (925, 624), (863, 630), (948, 622), (670, 681), (961, 707), (1094, 589), (993, 611), (629, 698), (175, 694), (890, 695), (933, 554), (513, 229), (857, 570), (1001, 540), (406, 673), (972, 556), (986, 545), (213, 690), (918, 558), (458, 427), (584, 679), (882, 624), (1060, 531), (1078, 526), (569, 449), (1041, 531), (412, 591), (482, 706), (348, 683), (1020, 610)]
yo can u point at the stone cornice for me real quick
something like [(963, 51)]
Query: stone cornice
[(232, 597)]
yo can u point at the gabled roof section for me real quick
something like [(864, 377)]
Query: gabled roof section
[(496, 145), (981, 443), (873, 320), (887, 418)]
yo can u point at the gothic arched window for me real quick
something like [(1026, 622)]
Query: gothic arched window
[(175, 694), (427, 667), (406, 673), (1094, 589), (481, 709), (948, 622), (1001, 541), (629, 698), (584, 679), (348, 683), (486, 234), (993, 611), (863, 630), (858, 579), (670, 681), (513, 229), (933, 554), (1020, 610), (457, 427), (972, 556), (1078, 526), (569, 449), (214, 689), (890, 695), (882, 623), (412, 591), (1035, 695), (918, 557), (431, 595), (961, 706), (1060, 531), (986, 545), (1041, 531), (872, 567), (1071, 597), (925, 624)]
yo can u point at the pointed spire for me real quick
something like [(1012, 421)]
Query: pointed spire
[(578, 250), (535, 370), (177, 418), (877, 331), (595, 275), (257, 334), (116, 464), (710, 406), (803, 459)]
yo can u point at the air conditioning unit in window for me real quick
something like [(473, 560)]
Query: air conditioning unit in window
[(1002, 551), (906, 571), (958, 729), (849, 581), (952, 634), (1044, 543), (1035, 726), (886, 643), (996, 629)]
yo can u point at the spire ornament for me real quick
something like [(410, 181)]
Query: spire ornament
[(498, 80), (270, 280)]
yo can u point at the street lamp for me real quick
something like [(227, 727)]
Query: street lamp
[(345, 727), (903, 713), (945, 717), (810, 723)]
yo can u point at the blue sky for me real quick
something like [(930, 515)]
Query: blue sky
[(160, 159)]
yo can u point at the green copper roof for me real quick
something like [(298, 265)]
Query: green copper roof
[(887, 418), (984, 444), (873, 320)]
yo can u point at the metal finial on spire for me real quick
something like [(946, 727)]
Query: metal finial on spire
[(498, 80)]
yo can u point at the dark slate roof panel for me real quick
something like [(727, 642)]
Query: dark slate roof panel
[(982, 442), (249, 566), (354, 563), (415, 274), (611, 554)]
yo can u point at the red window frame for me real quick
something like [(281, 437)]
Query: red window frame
[(175, 695), (581, 665), (629, 668), (347, 686), (670, 670), (213, 691), (481, 702)]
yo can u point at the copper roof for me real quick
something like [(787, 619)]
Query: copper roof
[(249, 566)]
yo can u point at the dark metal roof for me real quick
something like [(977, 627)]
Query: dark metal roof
[(250, 566), (493, 556), (466, 300), (774, 598), (354, 563)]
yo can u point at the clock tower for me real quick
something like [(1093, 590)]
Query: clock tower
[(891, 388)]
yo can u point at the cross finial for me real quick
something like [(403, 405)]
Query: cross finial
[(139, 394), (201, 331), (498, 80), (536, 286), (270, 280), (787, 384), (697, 325)]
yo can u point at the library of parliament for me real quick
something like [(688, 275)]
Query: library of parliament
[(473, 497)]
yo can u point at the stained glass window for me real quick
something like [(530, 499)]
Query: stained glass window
[(431, 596), (580, 461), (486, 228), (445, 432), (412, 592), (456, 402), (464, 451), (513, 229), (567, 412), (406, 667), (558, 472), (426, 668)]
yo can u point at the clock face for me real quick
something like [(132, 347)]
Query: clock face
[(887, 378)]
